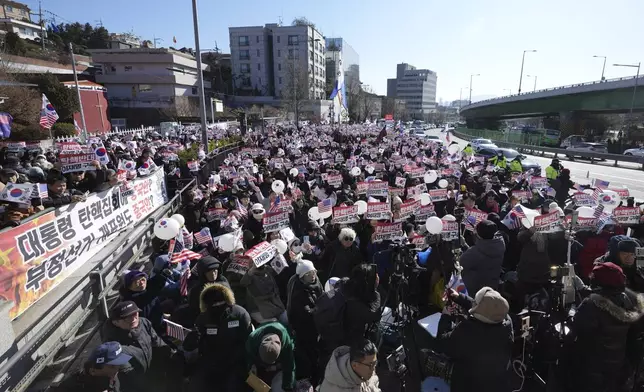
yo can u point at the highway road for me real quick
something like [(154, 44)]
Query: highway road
[(583, 172)]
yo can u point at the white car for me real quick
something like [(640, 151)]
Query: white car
[(586, 147), (638, 152), (477, 142), (485, 146), (434, 139), (418, 132)]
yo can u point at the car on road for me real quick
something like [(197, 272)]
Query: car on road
[(638, 152), (434, 139), (418, 132), (482, 146), (585, 147), (509, 155), (477, 142)]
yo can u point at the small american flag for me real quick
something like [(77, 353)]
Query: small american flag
[(519, 212), (276, 204), (599, 211), (179, 254), (48, 115), (203, 237), (597, 192), (183, 283), (41, 191), (176, 331), (325, 206), (240, 207), (601, 184)]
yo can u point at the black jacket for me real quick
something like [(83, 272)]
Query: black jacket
[(606, 338), (480, 354), (359, 314), (220, 333), (301, 303), (139, 342), (257, 228), (340, 260), (482, 264), (80, 381), (148, 300)]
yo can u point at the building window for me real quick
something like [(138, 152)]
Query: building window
[(259, 67), (293, 54), (279, 53), (279, 67), (243, 40), (245, 82), (194, 90), (145, 88), (244, 68), (280, 80), (293, 40), (127, 68), (259, 80), (22, 31), (311, 55), (257, 39), (244, 54), (278, 39), (257, 52)]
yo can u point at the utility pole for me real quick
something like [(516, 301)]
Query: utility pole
[(42, 26), (202, 94), (80, 101)]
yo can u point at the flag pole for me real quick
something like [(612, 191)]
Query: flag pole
[(80, 101)]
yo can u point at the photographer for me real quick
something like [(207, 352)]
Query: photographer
[(606, 333), (480, 346)]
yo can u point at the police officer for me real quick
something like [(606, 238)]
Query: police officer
[(499, 161), (552, 171), (515, 165), (218, 341), (468, 150)]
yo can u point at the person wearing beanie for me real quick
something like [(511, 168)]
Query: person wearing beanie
[(269, 344), (304, 289), (480, 346), (605, 333), (207, 272), (482, 262), (221, 331), (144, 292), (621, 251)]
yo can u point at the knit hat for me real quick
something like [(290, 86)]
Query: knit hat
[(489, 306), (486, 229), (627, 246), (304, 266), (608, 275), (131, 276), (269, 348)]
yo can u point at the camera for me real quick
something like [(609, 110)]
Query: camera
[(558, 272), (396, 362)]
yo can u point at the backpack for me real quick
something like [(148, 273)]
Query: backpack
[(329, 316)]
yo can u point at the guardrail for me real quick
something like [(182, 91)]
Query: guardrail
[(542, 150), (35, 347)]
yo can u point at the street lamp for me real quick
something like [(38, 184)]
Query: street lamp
[(471, 76), (460, 99), (637, 76), (535, 81), (523, 62), (202, 95), (603, 67)]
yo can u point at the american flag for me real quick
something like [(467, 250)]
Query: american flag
[(48, 115), (601, 184), (176, 331), (519, 211), (276, 204), (512, 220), (178, 253), (240, 207), (183, 283), (325, 206), (203, 237), (599, 211)]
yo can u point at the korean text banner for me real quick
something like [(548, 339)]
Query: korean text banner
[(39, 254)]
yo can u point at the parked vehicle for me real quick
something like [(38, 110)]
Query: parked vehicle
[(586, 147), (638, 152)]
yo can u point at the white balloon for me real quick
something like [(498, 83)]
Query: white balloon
[(166, 229), (443, 183), (453, 149), (369, 169), (293, 172), (362, 207), (281, 245), (227, 242), (277, 186), (179, 218), (449, 218), (314, 214), (430, 176), (425, 199), (355, 171), (434, 225)]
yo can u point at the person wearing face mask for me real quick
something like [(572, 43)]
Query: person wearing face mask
[(343, 254), (221, 331), (304, 289), (255, 224)]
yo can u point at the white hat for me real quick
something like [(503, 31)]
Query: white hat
[(304, 266), (257, 206)]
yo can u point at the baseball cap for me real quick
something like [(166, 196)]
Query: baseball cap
[(109, 353), (124, 309)]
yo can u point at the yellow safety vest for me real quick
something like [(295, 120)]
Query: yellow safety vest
[(515, 166), (551, 173)]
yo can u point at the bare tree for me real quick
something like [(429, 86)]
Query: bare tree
[(182, 107), (302, 21), (22, 102), (297, 91)]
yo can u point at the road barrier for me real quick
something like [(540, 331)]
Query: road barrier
[(32, 341), (542, 150)]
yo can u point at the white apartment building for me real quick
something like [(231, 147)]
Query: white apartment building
[(15, 17), (417, 87), (264, 57)]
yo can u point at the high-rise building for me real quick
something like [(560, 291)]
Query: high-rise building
[(417, 87), (269, 60)]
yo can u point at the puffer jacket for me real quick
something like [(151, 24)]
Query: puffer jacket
[(262, 293), (341, 260), (340, 377), (534, 266), (204, 265), (482, 264), (301, 303), (607, 340)]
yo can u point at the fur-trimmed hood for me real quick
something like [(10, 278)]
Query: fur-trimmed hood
[(227, 294), (631, 300)]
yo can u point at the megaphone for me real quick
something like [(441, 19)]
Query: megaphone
[(530, 214)]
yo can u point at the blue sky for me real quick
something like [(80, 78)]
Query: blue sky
[(453, 38)]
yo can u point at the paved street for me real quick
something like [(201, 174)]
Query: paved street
[(582, 172)]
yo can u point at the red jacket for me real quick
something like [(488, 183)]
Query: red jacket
[(594, 247)]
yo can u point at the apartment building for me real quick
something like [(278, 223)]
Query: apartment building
[(16, 17)]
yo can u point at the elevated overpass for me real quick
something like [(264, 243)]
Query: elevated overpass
[(609, 96)]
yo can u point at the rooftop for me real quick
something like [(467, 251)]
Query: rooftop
[(141, 51)]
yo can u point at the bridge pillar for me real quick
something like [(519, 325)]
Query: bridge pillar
[(570, 123)]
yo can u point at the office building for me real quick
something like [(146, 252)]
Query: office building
[(146, 85), (417, 87), (274, 60)]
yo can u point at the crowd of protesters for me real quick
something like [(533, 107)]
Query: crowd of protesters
[(235, 301)]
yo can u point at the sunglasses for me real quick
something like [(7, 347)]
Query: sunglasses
[(257, 211), (348, 239)]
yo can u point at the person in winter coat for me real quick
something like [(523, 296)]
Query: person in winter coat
[(605, 333), (139, 340), (221, 330), (263, 295), (255, 225), (270, 355), (343, 254), (352, 369), (363, 302), (480, 346), (304, 289), (207, 272), (621, 251), (482, 262), (144, 293), (595, 246)]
